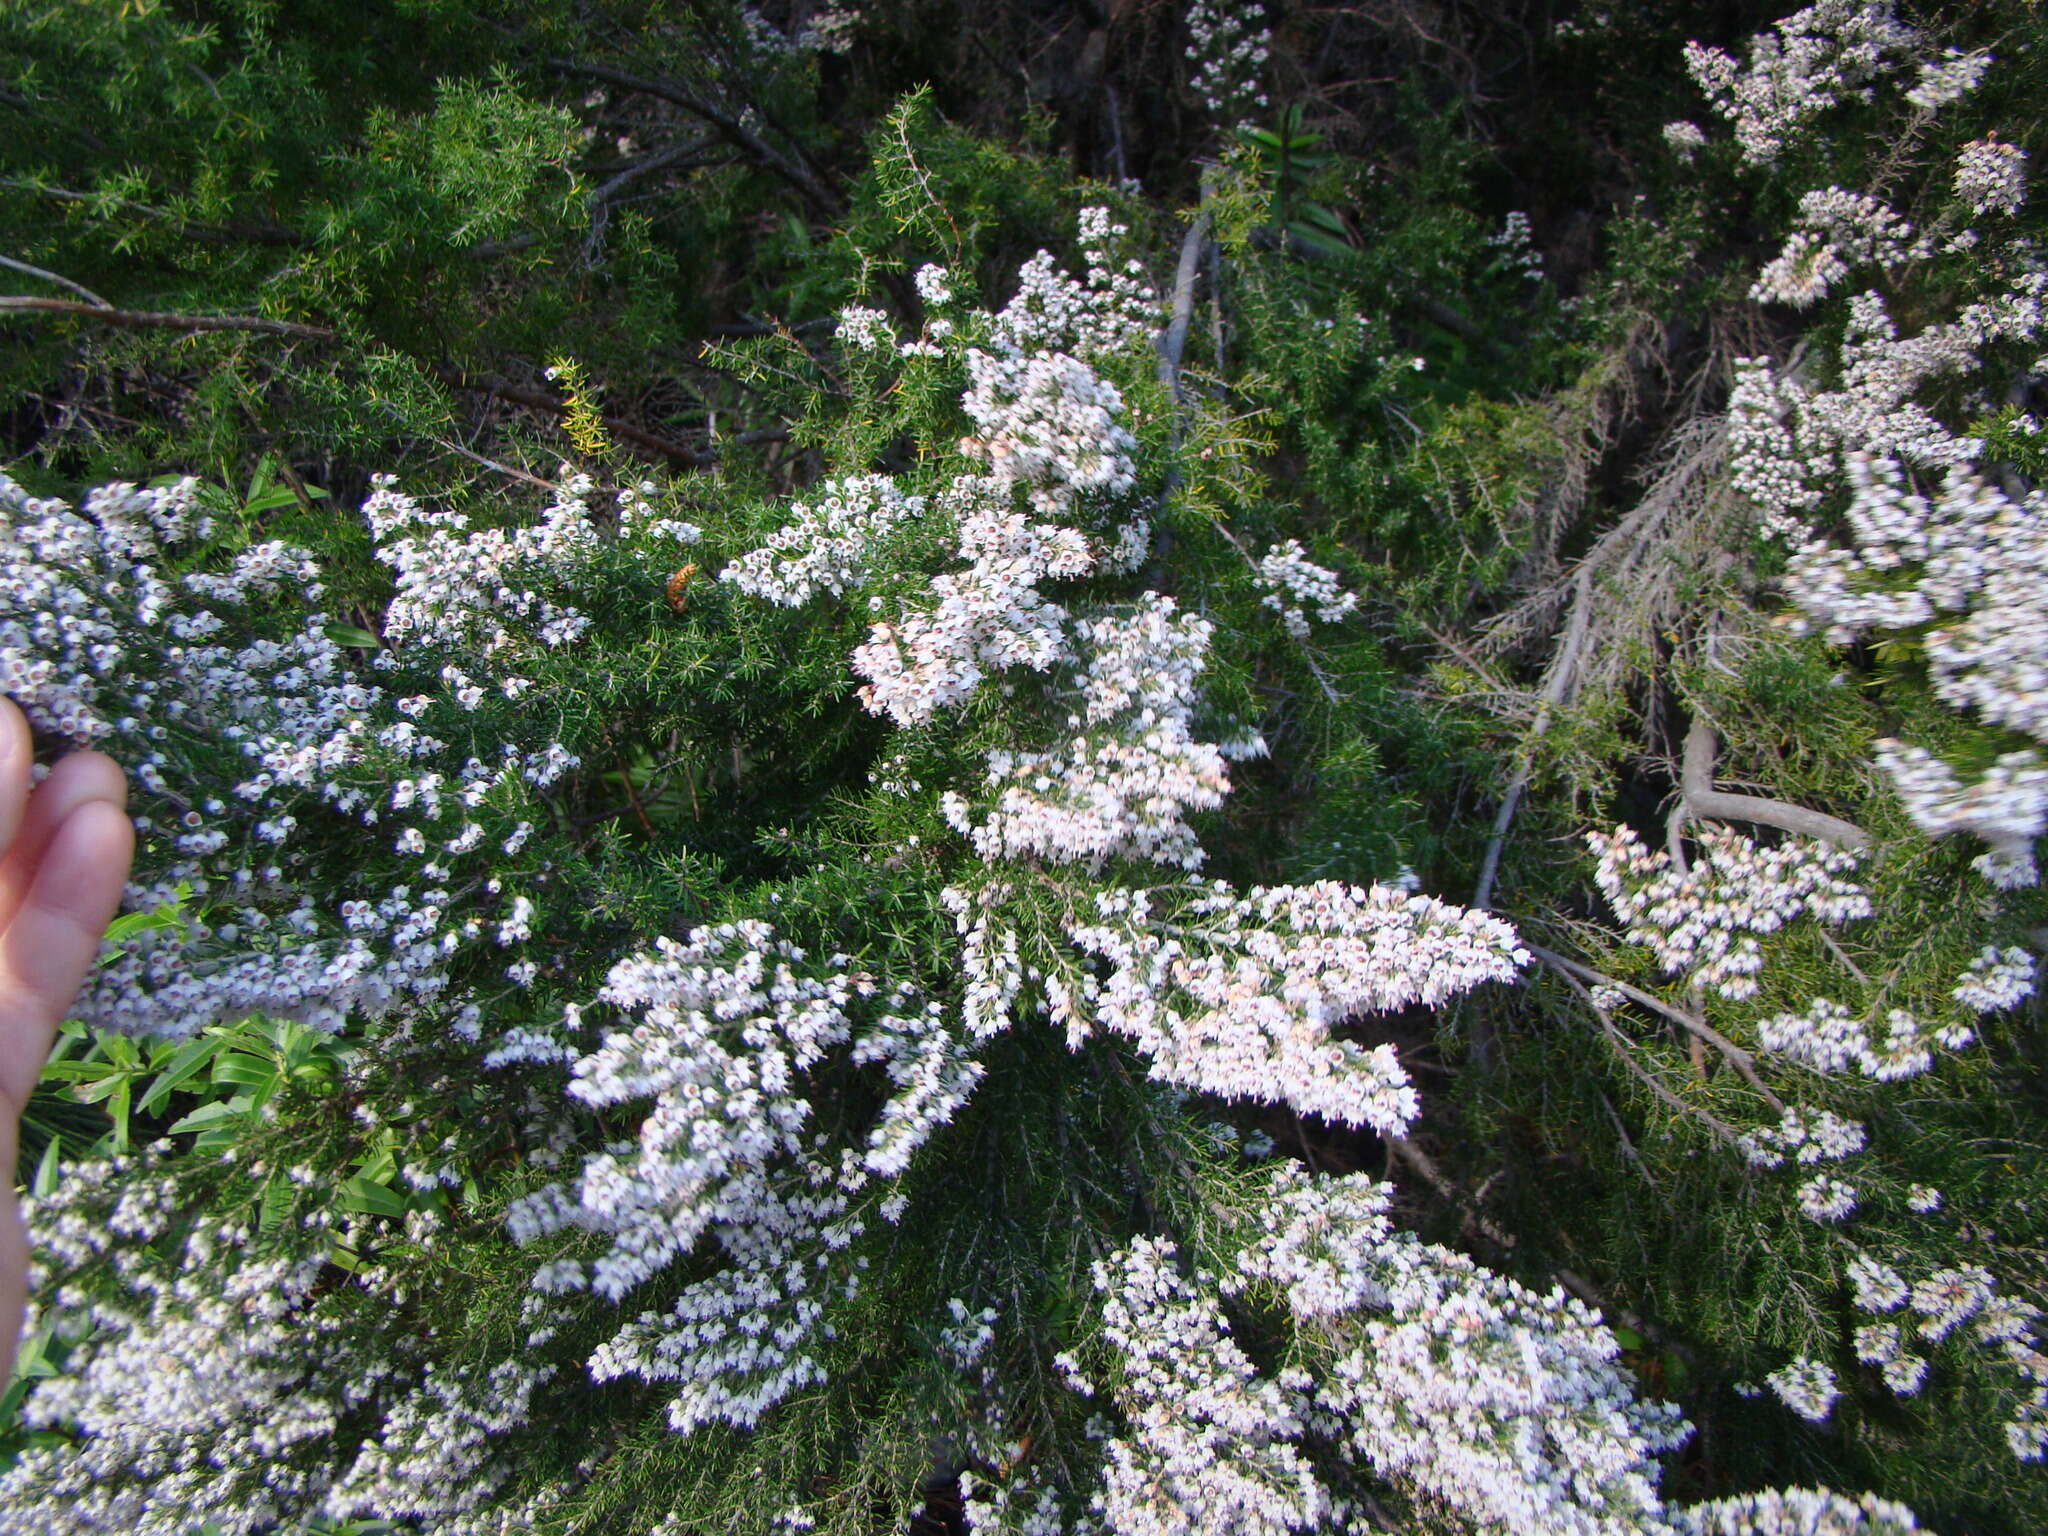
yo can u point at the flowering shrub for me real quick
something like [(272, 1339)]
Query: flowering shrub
[(1265, 844)]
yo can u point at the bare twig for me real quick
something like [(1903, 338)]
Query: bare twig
[(606, 193), (504, 469), (1582, 1288), (1842, 955), (729, 125), (1624, 1052), (216, 234), (1708, 803), (1733, 1054), (1557, 691), (1115, 112), (51, 277), (1419, 1160), (165, 321), (1173, 341), (1628, 1147)]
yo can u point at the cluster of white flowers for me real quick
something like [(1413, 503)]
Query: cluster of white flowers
[(1874, 1285), (455, 591), (742, 1340), (84, 621), (1806, 1386), (1790, 442), (1948, 79), (1802, 273), (1806, 1135), (1052, 426), (1996, 979), (1238, 995), (438, 1455), (1515, 240), (1109, 309), (1972, 552), (989, 958), (730, 1022), (1958, 574), (986, 618), (1686, 138), (934, 285), (1320, 1242), (1234, 994), (1945, 1299), (1828, 1038), (1825, 1199), (1124, 784), (1702, 923), (1879, 1344), (1228, 43), (1835, 232), (1797, 70), (831, 28), (933, 1076), (1799, 1512), (1507, 1405), (1950, 1296), (2007, 806), (826, 546), (210, 1389), (1208, 1448), (863, 328), (192, 1382), (1992, 177), (77, 592), (1051, 422), (1297, 584)]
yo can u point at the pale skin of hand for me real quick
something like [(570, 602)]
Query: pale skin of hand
[(65, 848)]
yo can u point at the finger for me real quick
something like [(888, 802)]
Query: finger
[(13, 1258), (17, 751), (54, 937), (77, 778)]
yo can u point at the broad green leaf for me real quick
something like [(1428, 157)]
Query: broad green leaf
[(46, 1171), (361, 1195), (245, 1071), (211, 1115), (191, 1056)]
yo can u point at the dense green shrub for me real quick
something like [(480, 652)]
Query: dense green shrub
[(814, 918)]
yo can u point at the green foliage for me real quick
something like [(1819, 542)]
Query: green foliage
[(503, 256)]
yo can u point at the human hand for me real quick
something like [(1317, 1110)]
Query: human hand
[(64, 856)]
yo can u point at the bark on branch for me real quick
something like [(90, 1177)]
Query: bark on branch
[(58, 278), (1173, 341), (1556, 692), (1707, 803), (163, 320), (1733, 1054), (213, 234)]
